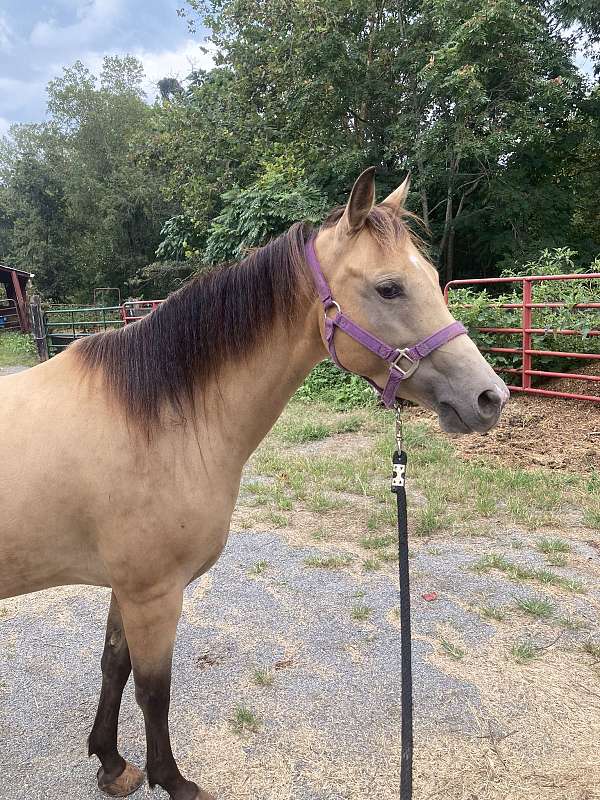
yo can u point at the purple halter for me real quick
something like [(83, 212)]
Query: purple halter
[(409, 356)]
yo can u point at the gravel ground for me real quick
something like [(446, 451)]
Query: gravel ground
[(333, 707), (11, 370)]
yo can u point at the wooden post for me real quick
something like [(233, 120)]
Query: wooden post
[(39, 329), (20, 303)]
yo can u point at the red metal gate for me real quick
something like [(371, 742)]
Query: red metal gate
[(526, 331), (132, 310)]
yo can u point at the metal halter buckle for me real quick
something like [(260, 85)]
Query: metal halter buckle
[(413, 364)]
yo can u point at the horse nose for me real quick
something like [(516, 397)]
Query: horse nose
[(490, 403)]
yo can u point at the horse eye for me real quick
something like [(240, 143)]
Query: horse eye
[(389, 290)]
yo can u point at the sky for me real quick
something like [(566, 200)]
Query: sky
[(39, 37)]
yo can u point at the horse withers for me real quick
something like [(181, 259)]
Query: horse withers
[(150, 426)]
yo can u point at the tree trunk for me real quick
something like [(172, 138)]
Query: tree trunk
[(450, 255)]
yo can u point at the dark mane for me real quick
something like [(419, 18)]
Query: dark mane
[(217, 317), (221, 315)]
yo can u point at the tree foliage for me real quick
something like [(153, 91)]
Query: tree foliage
[(481, 100), (84, 211)]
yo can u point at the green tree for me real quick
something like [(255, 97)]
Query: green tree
[(477, 98), (88, 211), (269, 206)]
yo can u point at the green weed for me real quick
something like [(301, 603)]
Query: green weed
[(536, 607), (361, 612), (259, 568), (328, 562), (263, 676), (244, 720), (523, 652), (451, 649), (493, 612)]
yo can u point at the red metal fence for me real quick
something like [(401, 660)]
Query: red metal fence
[(526, 332), (132, 310)]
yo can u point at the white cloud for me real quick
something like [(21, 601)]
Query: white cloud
[(6, 36), (16, 94), (4, 126), (176, 63), (93, 18)]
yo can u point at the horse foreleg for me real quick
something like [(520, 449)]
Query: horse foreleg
[(151, 627), (115, 777)]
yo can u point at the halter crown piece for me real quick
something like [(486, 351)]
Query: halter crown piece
[(403, 362)]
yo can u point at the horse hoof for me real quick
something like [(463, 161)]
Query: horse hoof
[(127, 783)]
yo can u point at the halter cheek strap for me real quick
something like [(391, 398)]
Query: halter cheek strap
[(403, 362)]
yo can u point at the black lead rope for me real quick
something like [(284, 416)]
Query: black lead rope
[(399, 489)]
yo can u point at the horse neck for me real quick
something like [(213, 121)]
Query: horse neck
[(252, 394)]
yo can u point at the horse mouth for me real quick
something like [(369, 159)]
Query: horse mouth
[(451, 421)]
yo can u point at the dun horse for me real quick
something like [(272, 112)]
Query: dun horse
[(149, 428)]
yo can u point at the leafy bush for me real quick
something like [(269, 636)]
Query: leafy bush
[(341, 390), (16, 349), (482, 308)]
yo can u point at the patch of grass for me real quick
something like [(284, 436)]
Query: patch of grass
[(553, 545), (550, 578), (305, 432), (361, 612), (572, 623), (320, 503), (245, 721), (320, 535), (536, 607), (592, 649), (372, 564), (591, 518), (348, 425), (557, 560), (382, 517), (377, 542), (328, 562), (259, 568), (453, 650), (523, 652), (275, 518), (485, 504), (517, 573), (429, 520), (493, 612), (263, 676), (261, 492), (491, 561)]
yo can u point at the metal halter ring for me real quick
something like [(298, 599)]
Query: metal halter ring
[(413, 364), (333, 304)]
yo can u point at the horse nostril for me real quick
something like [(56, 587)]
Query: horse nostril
[(489, 403)]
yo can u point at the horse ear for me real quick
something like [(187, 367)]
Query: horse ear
[(362, 198), (398, 197)]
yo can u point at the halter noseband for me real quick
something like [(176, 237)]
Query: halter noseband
[(403, 362)]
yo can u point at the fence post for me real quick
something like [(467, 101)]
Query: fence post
[(526, 324), (39, 332)]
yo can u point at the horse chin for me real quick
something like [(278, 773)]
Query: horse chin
[(451, 421)]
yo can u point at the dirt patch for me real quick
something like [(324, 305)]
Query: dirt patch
[(536, 432)]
